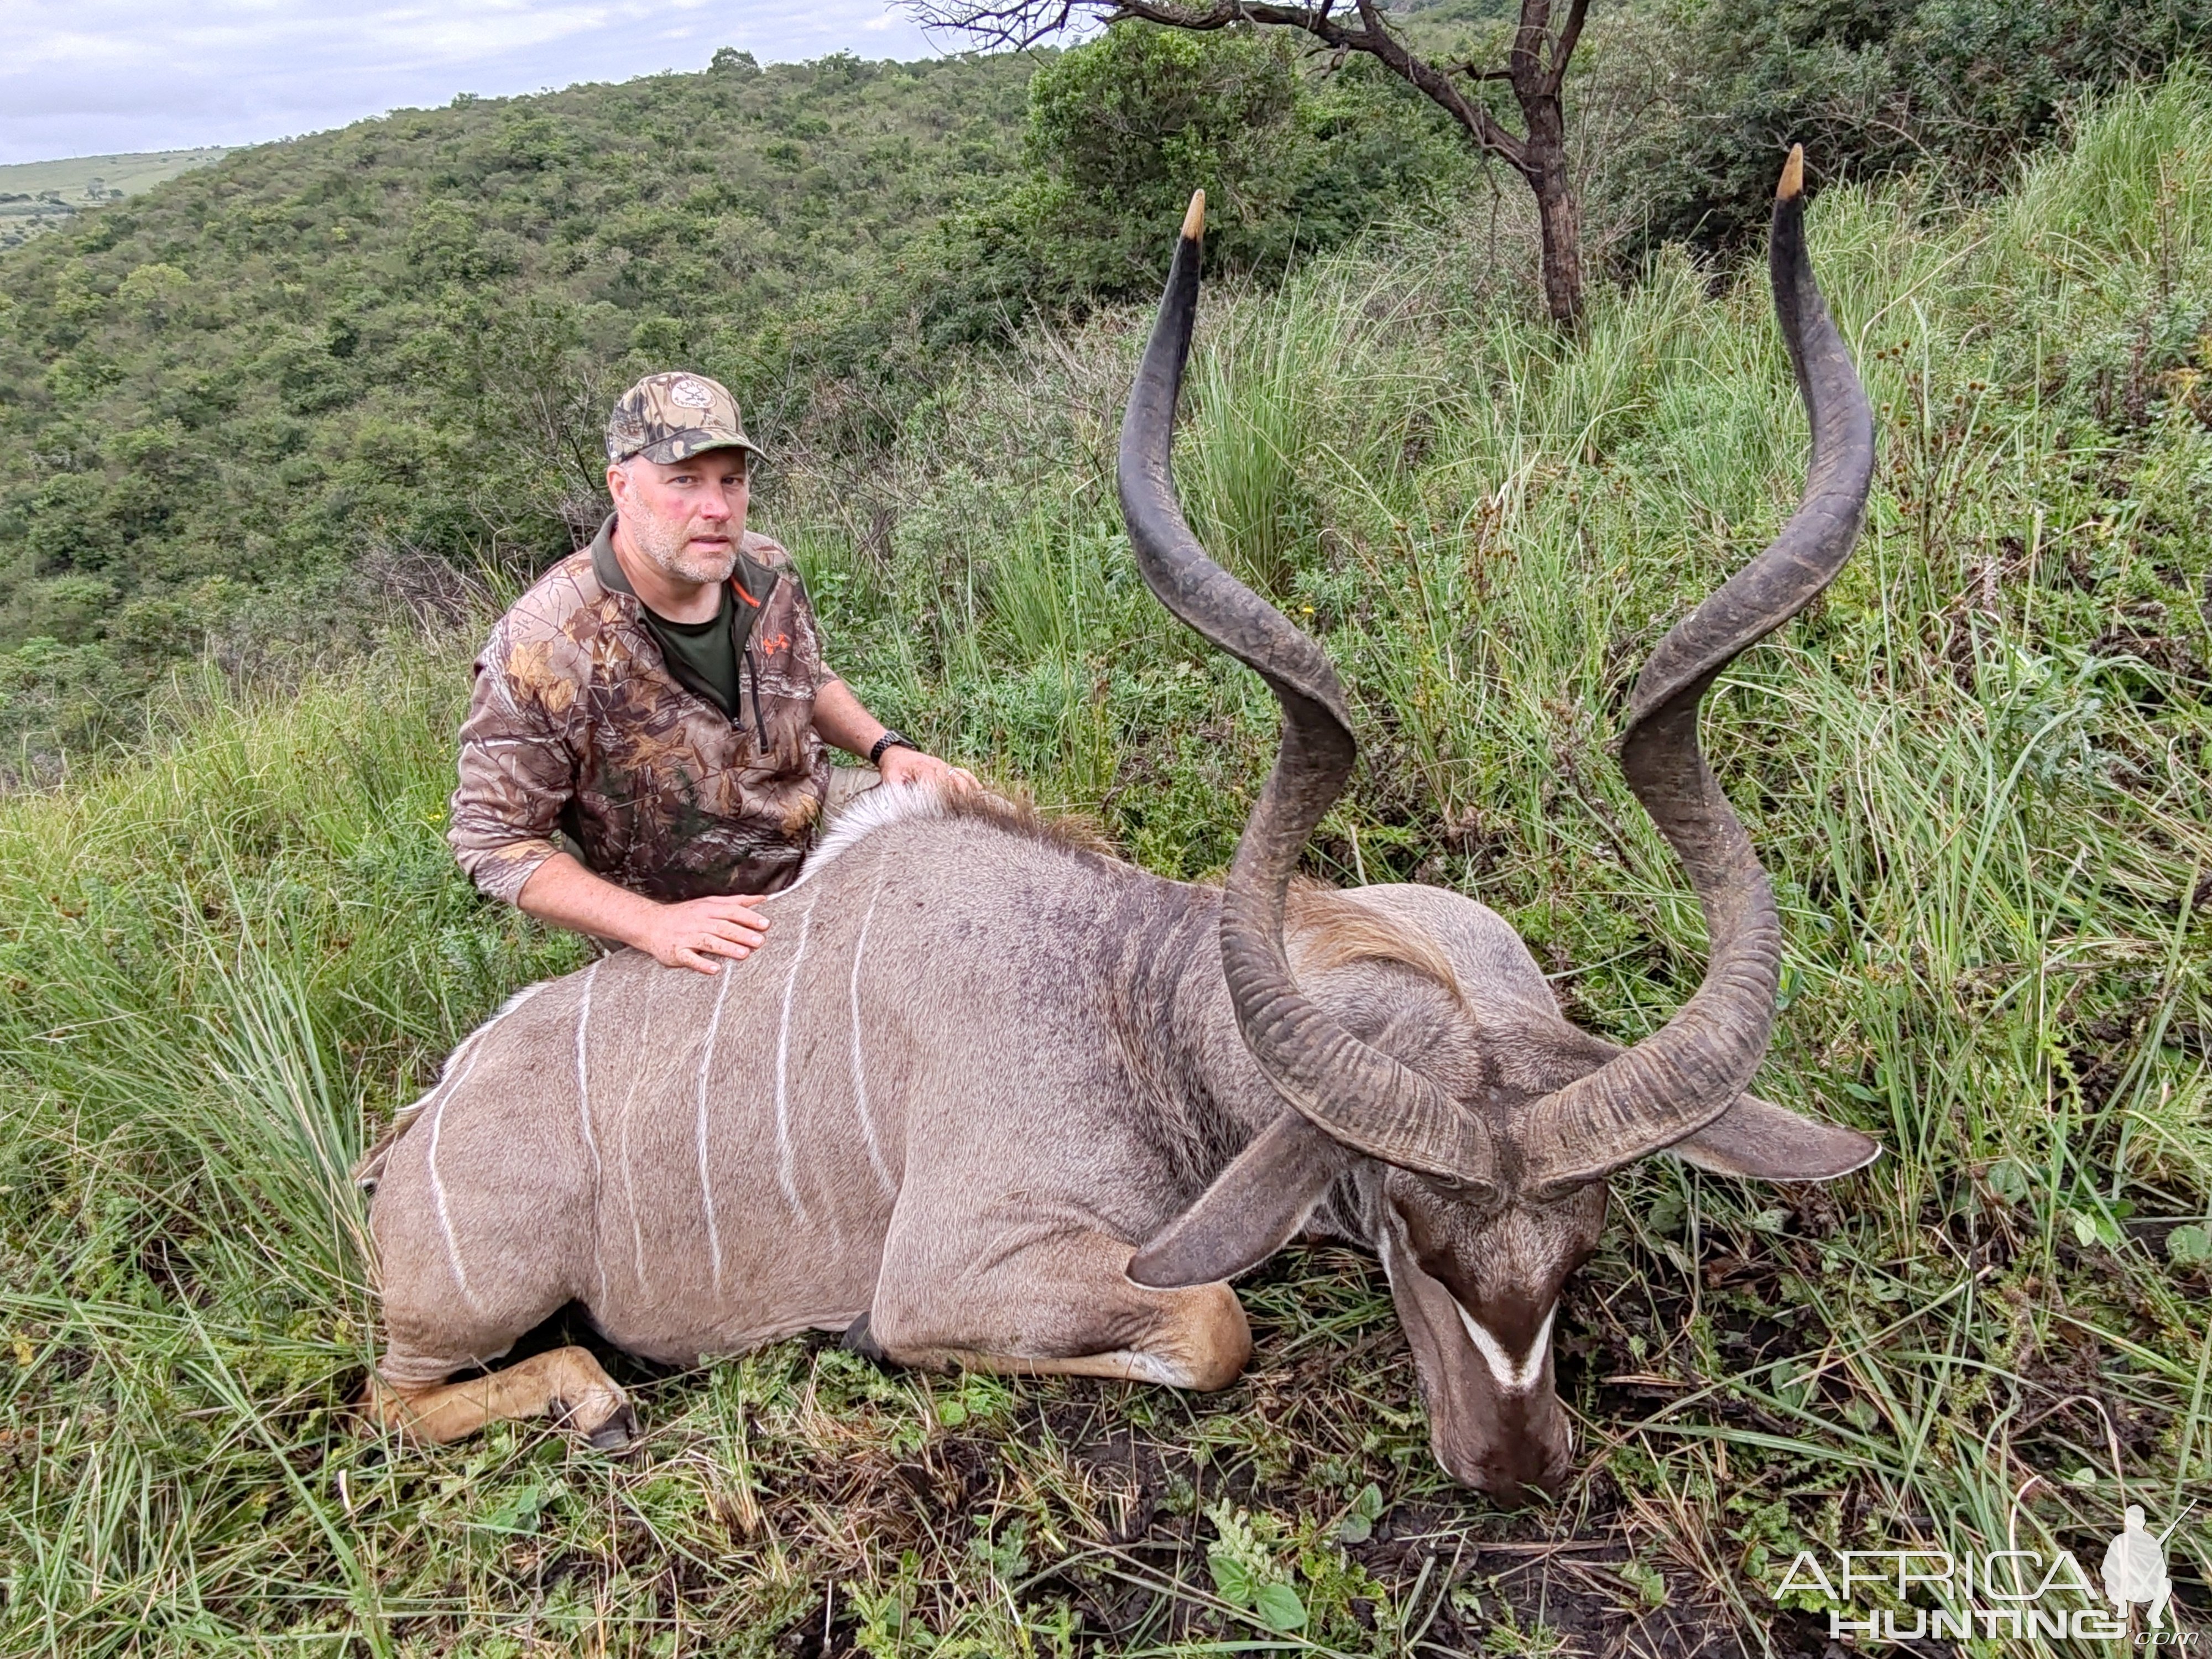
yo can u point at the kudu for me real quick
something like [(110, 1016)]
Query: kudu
[(989, 1096)]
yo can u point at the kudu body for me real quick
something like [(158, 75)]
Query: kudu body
[(991, 1097)]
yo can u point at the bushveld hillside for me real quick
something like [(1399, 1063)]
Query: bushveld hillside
[(1979, 771), (323, 355), (241, 411), (237, 406)]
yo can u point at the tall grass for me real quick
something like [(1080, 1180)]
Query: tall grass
[(1978, 770)]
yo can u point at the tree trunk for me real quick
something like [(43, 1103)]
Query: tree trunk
[(1559, 215)]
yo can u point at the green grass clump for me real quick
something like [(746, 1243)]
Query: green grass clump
[(1978, 770)]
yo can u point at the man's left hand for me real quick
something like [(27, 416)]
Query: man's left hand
[(912, 766)]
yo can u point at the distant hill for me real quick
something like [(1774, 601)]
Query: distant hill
[(37, 196), (379, 340), (396, 342)]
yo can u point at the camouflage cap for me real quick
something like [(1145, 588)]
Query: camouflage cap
[(672, 416)]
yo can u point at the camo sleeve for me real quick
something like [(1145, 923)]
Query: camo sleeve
[(810, 654), (789, 632), (519, 770)]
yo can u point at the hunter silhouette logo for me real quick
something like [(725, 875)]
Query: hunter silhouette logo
[(2135, 1569)]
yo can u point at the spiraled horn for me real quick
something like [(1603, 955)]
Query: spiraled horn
[(1358, 1094), (1687, 1073)]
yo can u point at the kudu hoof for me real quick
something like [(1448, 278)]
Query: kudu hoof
[(858, 1339), (617, 1430)]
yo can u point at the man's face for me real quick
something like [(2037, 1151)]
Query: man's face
[(687, 517)]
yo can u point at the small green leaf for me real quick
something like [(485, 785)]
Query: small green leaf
[(1772, 1221), (2090, 1228), (1794, 1381), (1232, 1579), (1792, 983), (951, 1411), (2189, 1245), (1650, 1585), (1862, 1416), (2009, 1180), (1279, 1608)]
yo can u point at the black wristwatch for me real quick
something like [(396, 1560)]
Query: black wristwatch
[(891, 740)]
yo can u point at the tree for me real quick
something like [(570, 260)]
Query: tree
[(1122, 127), (1534, 68), (1870, 86)]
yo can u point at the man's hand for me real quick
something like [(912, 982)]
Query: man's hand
[(843, 724), (693, 933), (912, 766)]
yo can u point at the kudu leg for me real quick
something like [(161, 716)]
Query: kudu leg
[(565, 1384), (1062, 1306)]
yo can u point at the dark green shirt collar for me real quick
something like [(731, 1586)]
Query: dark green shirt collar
[(751, 587)]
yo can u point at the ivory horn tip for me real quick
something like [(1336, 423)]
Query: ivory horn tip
[(1194, 218), (1793, 176)]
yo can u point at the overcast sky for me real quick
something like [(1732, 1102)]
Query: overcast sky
[(98, 77)]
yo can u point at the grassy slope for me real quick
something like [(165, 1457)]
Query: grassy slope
[(1978, 772), (74, 182), (130, 174)]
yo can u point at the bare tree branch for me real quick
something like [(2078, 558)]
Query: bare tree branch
[(1535, 66), (1563, 47)]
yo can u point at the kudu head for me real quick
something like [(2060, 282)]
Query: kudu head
[(1490, 1190)]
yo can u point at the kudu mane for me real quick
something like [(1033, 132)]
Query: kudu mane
[(1324, 929)]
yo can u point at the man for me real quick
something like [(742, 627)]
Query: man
[(661, 697)]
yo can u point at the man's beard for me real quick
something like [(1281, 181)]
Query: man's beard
[(669, 551)]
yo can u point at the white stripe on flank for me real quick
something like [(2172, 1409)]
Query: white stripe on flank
[(783, 1169), (584, 1111), (437, 1182), (859, 1078), (629, 1179), (1513, 1377), (408, 1115), (727, 972)]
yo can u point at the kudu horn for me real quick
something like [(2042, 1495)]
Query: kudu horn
[(1359, 1095), (1685, 1075)]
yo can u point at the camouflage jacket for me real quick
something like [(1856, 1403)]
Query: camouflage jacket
[(577, 725)]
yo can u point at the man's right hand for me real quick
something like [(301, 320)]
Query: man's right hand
[(693, 933), (698, 934)]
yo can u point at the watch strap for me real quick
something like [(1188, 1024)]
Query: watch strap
[(891, 740)]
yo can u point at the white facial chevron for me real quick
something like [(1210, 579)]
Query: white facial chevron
[(1514, 1376)]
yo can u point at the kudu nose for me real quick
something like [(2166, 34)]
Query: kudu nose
[(1517, 1453), (1517, 1472)]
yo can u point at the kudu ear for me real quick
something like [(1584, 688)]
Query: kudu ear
[(1759, 1139), (1249, 1212)]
